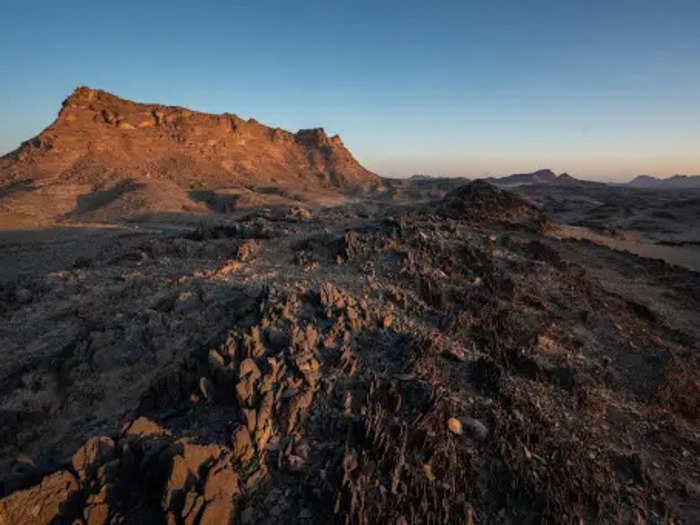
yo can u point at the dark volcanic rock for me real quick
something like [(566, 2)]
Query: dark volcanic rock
[(481, 201)]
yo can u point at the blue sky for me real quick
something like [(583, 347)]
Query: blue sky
[(603, 90)]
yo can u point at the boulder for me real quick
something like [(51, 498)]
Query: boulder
[(45, 503)]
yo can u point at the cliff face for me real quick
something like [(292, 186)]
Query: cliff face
[(100, 139)]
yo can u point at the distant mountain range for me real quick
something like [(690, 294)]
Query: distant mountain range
[(546, 176), (540, 177), (677, 181)]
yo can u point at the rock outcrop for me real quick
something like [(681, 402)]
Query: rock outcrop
[(481, 201), (106, 157)]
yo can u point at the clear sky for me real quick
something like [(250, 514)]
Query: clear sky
[(601, 89)]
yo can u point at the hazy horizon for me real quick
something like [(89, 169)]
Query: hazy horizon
[(603, 92)]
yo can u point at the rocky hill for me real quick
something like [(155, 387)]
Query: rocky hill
[(106, 157), (676, 181)]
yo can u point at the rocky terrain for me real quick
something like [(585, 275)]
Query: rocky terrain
[(363, 350), (444, 362), (660, 222), (108, 159)]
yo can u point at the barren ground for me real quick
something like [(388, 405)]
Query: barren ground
[(271, 366)]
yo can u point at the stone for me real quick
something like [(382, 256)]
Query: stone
[(242, 444), (245, 388), (218, 511), (455, 426), (250, 416), (476, 428), (198, 456), (144, 427), (193, 505), (96, 509), (222, 481), (41, 504), (94, 452), (221, 486), (176, 484), (207, 388)]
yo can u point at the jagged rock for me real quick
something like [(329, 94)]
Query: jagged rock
[(96, 508), (199, 456), (264, 421), (242, 444), (297, 407), (331, 299), (41, 504), (249, 250), (91, 455), (192, 507), (249, 373), (253, 344), (177, 483), (250, 416), (350, 245), (222, 482), (144, 427)]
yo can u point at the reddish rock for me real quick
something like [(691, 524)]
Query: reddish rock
[(40, 504), (91, 455)]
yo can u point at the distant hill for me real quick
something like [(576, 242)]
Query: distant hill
[(567, 180), (536, 177), (676, 181), (545, 176)]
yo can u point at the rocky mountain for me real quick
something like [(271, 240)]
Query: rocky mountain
[(676, 181), (105, 157)]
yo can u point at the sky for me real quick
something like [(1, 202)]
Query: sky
[(603, 90)]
